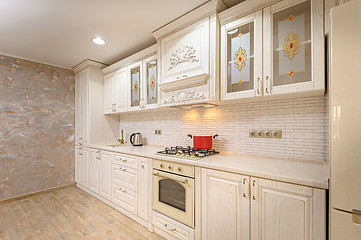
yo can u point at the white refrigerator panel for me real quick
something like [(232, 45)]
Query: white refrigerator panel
[(345, 184)]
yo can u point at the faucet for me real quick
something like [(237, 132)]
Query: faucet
[(122, 139)]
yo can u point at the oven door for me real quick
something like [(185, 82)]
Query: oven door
[(173, 195)]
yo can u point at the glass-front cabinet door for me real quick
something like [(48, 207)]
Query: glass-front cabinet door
[(241, 57), (135, 78), (293, 47), (150, 66)]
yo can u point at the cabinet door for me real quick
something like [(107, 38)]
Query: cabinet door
[(225, 205), (78, 97), (78, 163), (109, 93), (186, 53), (84, 177), (143, 189), (280, 211), (94, 170), (293, 47), (105, 177), (85, 79), (241, 57), (150, 88), (135, 83), (120, 90)]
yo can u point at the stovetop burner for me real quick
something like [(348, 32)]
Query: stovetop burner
[(187, 152)]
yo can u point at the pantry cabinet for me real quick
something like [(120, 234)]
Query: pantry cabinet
[(78, 162), (115, 94), (82, 135), (242, 207), (277, 50), (225, 205)]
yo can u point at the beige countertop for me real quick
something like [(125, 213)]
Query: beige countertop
[(311, 174)]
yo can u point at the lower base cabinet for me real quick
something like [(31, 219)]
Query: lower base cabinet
[(242, 207)]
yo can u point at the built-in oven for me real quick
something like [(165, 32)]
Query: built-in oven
[(173, 191)]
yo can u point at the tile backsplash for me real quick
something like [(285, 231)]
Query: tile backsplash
[(303, 121)]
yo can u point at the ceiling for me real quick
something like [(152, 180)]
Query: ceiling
[(59, 32)]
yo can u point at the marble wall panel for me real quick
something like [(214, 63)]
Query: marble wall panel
[(36, 127)]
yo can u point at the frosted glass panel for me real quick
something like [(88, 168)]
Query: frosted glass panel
[(240, 58), (292, 45), (152, 82), (135, 84)]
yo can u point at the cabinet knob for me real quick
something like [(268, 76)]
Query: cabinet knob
[(161, 165), (170, 167), (179, 169)]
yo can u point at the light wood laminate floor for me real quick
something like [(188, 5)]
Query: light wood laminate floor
[(67, 214)]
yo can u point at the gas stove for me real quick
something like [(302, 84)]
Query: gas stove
[(187, 152)]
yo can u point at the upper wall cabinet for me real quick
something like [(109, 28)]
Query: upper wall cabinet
[(242, 57), (185, 54), (115, 94), (150, 83), (279, 51), (188, 52), (135, 82)]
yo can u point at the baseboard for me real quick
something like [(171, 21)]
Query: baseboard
[(36, 193)]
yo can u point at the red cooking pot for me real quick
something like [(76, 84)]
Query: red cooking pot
[(202, 142)]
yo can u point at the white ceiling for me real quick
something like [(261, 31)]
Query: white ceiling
[(59, 32)]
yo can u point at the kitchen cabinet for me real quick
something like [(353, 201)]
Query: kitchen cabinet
[(143, 188), (94, 170), (189, 56), (78, 162), (225, 205), (286, 211), (242, 58), (105, 174), (150, 83), (135, 90), (78, 89), (82, 108), (256, 209), (287, 39), (115, 94), (185, 54), (84, 176)]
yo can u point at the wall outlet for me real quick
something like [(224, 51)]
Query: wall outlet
[(157, 132), (265, 133)]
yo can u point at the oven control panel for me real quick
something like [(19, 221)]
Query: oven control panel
[(178, 168)]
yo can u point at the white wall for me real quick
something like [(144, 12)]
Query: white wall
[(304, 123)]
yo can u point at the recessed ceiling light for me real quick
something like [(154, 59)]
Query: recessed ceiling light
[(98, 40)]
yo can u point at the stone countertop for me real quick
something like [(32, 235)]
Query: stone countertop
[(312, 174)]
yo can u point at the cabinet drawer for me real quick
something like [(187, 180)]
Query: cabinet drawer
[(125, 176), (125, 198), (172, 227), (125, 160)]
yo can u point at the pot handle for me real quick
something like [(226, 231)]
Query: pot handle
[(189, 135), (131, 138), (215, 136)]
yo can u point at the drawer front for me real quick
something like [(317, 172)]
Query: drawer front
[(125, 198), (125, 160), (125, 176), (172, 227)]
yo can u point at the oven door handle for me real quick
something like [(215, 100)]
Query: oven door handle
[(158, 175)]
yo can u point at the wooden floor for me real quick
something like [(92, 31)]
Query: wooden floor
[(67, 214)]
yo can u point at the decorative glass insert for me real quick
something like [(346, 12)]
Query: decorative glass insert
[(240, 58), (152, 82), (292, 45), (135, 86)]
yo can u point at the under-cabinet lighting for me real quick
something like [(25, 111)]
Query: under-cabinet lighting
[(233, 31)]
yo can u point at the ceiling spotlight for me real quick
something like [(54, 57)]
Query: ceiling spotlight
[(98, 40)]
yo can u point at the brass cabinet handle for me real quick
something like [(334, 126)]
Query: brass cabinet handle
[(244, 182), (123, 190), (253, 190), (356, 216), (267, 78), (123, 160), (123, 169)]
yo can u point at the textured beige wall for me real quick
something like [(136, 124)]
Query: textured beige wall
[(36, 127)]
